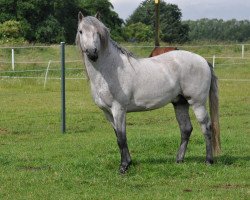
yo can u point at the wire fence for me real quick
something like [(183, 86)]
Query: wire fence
[(42, 62)]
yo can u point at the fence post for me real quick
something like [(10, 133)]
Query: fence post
[(13, 59), (157, 23), (63, 117), (46, 75), (213, 61), (242, 50)]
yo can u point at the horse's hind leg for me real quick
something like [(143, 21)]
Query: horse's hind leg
[(182, 115), (203, 118)]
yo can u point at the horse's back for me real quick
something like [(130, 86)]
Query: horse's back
[(185, 61), (181, 55)]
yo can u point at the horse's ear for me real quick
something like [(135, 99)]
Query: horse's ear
[(80, 16), (98, 16)]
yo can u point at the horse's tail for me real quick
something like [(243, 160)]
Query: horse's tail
[(214, 112)]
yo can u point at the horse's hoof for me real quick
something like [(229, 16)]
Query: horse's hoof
[(123, 169), (179, 161), (209, 162)]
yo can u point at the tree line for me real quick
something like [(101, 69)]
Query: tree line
[(219, 30), (52, 21)]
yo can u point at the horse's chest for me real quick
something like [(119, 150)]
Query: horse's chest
[(102, 96)]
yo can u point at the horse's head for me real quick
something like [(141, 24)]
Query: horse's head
[(91, 36)]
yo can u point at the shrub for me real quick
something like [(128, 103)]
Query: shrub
[(10, 29), (138, 32)]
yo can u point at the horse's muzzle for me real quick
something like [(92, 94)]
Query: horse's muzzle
[(92, 54)]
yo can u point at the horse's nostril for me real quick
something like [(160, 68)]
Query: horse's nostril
[(91, 51)]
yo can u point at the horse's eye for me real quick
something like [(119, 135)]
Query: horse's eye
[(80, 32)]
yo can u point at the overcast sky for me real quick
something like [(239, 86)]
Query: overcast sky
[(194, 9)]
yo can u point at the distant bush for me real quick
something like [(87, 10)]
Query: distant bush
[(10, 29), (11, 32), (138, 32)]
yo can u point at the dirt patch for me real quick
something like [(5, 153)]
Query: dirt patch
[(187, 190), (3, 131), (33, 168)]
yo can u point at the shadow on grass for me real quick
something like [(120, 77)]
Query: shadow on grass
[(220, 160), (230, 160)]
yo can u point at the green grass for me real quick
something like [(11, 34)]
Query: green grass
[(38, 162)]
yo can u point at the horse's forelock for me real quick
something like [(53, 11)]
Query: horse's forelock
[(102, 30)]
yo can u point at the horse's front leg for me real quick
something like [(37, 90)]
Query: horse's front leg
[(119, 116)]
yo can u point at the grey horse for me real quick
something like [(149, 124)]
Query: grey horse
[(121, 83)]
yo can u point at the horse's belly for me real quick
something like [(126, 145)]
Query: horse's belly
[(147, 105), (152, 93), (144, 102)]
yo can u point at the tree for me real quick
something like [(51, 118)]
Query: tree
[(52, 20), (32, 13), (50, 31), (171, 27), (8, 10)]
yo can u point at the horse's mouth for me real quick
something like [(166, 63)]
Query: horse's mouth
[(93, 57)]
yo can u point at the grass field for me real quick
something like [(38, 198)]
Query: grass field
[(38, 162)]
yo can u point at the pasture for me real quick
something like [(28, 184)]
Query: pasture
[(38, 162)]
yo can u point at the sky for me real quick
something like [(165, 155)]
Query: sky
[(194, 9)]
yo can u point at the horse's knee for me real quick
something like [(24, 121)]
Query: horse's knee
[(206, 127), (204, 120), (188, 128), (186, 131)]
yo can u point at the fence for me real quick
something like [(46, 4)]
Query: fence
[(38, 62), (13, 52), (42, 62)]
